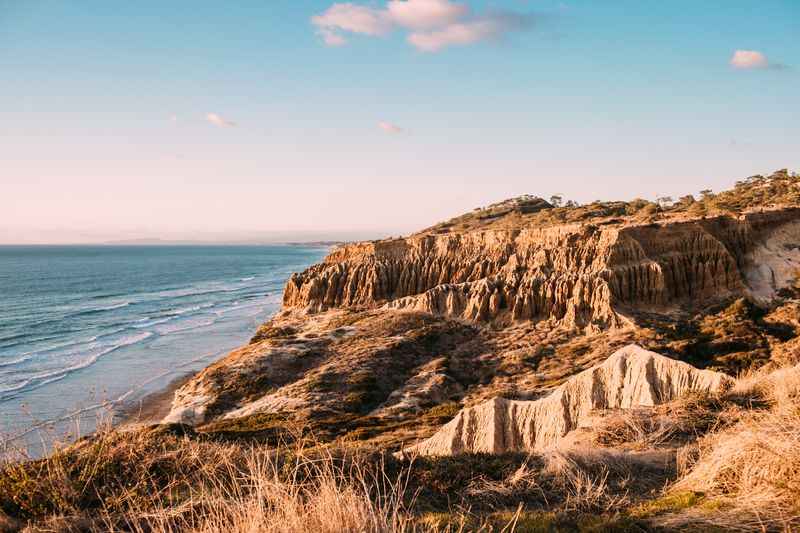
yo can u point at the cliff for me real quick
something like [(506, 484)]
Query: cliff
[(580, 275), (382, 339)]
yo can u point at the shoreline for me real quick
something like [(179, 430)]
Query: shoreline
[(153, 407)]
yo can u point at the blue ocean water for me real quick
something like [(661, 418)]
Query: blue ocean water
[(82, 326)]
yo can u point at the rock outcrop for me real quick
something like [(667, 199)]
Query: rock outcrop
[(581, 275), (510, 301), (631, 377)]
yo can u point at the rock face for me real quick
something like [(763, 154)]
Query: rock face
[(508, 301), (581, 275), (630, 377), (775, 261)]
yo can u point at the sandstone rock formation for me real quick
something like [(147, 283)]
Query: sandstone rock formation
[(630, 377), (512, 300), (581, 275)]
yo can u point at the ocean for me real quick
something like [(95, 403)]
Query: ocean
[(91, 328)]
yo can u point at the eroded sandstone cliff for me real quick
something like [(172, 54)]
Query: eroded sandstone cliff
[(581, 275), (496, 307)]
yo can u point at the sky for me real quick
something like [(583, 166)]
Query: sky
[(314, 119)]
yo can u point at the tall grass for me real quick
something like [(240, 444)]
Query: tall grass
[(148, 480), (315, 494), (752, 469), (740, 451)]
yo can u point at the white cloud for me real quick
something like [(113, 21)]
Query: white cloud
[(331, 38), (388, 127), (425, 14), (748, 59), (433, 24), (218, 120), (473, 31), (352, 18)]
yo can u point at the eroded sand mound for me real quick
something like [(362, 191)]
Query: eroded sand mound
[(631, 377)]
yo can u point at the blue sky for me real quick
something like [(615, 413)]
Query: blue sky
[(212, 120)]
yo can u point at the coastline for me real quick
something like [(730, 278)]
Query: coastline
[(140, 327), (153, 407)]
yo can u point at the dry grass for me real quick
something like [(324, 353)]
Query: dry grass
[(171, 480), (780, 387), (739, 469), (578, 480), (584, 481), (671, 424), (752, 468), (316, 495)]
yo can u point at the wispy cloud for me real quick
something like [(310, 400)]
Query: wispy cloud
[(751, 60), (351, 18), (388, 127), (463, 33), (331, 38), (425, 14), (432, 24), (219, 121)]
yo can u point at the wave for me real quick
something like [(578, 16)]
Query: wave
[(70, 344), (202, 291), (253, 296), (15, 361), (38, 324), (238, 306), (149, 322), (14, 388), (166, 330), (112, 295), (98, 310), (43, 378), (184, 310), (4, 350), (13, 337), (112, 403), (133, 324)]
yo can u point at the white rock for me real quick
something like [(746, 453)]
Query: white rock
[(631, 377)]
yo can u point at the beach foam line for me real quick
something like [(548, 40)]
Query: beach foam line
[(14, 388), (166, 330), (30, 341), (71, 344), (4, 440), (43, 378), (149, 322), (15, 361), (184, 310), (237, 306)]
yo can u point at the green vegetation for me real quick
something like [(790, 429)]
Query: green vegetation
[(268, 331), (782, 188)]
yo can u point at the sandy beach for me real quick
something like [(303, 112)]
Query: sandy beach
[(153, 407)]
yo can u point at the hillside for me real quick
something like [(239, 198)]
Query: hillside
[(503, 332)]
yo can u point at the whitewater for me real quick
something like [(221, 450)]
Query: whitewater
[(91, 328)]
